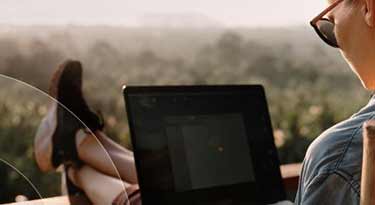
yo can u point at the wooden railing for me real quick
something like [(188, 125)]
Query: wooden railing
[(289, 172), (59, 200)]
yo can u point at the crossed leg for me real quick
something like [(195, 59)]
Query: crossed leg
[(99, 188), (93, 154), (98, 176)]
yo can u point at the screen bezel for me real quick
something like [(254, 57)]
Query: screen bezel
[(269, 187)]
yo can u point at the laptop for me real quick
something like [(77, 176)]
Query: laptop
[(203, 145)]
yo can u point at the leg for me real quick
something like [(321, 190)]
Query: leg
[(99, 188), (93, 154)]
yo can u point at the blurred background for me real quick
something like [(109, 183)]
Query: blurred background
[(167, 42)]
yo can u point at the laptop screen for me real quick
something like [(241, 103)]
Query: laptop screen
[(212, 150), (190, 140)]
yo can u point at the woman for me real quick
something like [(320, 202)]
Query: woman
[(332, 166)]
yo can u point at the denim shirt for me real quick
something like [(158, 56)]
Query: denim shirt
[(331, 171)]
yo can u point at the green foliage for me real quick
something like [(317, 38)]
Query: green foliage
[(21, 109)]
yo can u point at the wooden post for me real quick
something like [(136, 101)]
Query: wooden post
[(368, 164)]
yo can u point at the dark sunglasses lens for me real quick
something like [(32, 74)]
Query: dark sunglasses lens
[(326, 29)]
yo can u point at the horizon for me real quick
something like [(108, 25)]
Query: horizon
[(238, 27), (201, 13)]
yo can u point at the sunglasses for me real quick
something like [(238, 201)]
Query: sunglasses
[(326, 28)]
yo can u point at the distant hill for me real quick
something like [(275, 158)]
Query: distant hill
[(178, 20), (170, 41)]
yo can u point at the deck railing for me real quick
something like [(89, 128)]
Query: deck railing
[(289, 172)]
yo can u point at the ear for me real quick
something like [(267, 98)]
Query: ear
[(369, 12)]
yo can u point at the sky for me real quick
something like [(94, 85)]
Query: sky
[(229, 13)]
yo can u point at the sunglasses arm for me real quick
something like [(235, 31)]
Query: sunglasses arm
[(323, 13)]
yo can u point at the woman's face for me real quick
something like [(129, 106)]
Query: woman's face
[(355, 35)]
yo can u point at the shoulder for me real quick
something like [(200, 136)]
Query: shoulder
[(321, 164), (336, 152), (326, 152), (335, 158)]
